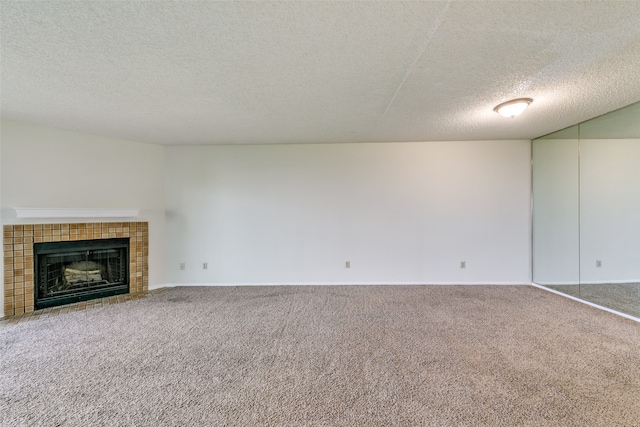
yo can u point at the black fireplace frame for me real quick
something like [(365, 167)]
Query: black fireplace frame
[(49, 248)]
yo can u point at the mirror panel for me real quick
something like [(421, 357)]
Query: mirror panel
[(586, 210), (555, 211), (610, 210)]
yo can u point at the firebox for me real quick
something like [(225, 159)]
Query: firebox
[(67, 272)]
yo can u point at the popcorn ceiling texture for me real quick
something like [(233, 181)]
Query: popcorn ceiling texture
[(304, 72), (18, 255)]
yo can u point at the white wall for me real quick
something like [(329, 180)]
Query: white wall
[(43, 167), (610, 210), (400, 213)]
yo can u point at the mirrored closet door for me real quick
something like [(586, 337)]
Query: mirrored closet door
[(586, 210)]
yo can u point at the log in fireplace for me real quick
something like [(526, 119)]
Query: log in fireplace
[(67, 272)]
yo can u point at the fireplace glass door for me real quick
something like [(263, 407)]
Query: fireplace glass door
[(67, 272)]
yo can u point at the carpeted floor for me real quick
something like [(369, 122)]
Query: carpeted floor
[(325, 356)]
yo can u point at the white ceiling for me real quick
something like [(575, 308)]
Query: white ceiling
[(205, 72)]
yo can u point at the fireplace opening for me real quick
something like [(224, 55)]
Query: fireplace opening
[(67, 272)]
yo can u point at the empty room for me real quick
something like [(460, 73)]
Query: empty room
[(315, 213)]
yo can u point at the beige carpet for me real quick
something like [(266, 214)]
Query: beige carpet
[(325, 356)]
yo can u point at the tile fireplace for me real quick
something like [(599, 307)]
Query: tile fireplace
[(98, 264)]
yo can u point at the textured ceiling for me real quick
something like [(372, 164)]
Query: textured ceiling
[(302, 72)]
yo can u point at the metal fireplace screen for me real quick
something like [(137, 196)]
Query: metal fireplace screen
[(67, 272)]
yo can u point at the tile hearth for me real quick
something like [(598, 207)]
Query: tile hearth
[(18, 255), (78, 306)]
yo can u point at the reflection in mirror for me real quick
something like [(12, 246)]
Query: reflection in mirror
[(586, 210), (610, 210), (556, 241)]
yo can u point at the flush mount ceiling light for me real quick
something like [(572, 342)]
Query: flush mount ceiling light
[(513, 108)]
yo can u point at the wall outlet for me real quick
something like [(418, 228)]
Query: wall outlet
[(598, 263), (205, 265), (182, 266), (463, 264), (347, 264)]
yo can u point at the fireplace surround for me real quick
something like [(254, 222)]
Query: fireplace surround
[(19, 261)]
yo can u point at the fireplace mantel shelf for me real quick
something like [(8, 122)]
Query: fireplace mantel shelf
[(76, 213)]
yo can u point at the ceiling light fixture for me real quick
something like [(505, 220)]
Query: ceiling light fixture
[(513, 108)]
